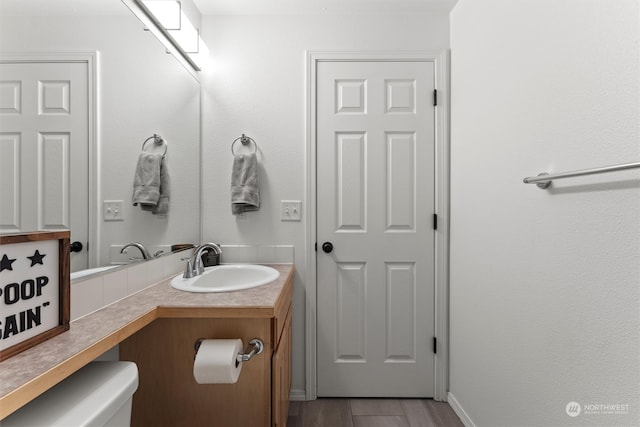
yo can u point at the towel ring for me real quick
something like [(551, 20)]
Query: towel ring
[(245, 140), (158, 140)]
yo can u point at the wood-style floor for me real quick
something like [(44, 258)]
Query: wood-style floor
[(372, 413)]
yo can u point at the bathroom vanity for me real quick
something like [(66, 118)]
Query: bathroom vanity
[(157, 329), (164, 352)]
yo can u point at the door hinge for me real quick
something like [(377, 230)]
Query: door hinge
[(435, 221), (315, 246), (435, 345), (435, 97)]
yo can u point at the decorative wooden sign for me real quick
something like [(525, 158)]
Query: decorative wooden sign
[(34, 289)]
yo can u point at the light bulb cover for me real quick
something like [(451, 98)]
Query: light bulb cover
[(167, 12)]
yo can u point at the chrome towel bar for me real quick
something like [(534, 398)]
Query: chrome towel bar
[(543, 180)]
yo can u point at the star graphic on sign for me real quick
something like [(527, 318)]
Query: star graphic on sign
[(5, 263), (36, 258)]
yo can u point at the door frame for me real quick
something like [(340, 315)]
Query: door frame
[(90, 58), (440, 59)]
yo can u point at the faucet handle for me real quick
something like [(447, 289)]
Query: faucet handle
[(188, 270)]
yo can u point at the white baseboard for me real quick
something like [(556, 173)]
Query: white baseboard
[(297, 395), (461, 413)]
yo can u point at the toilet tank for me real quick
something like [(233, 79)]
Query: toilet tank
[(98, 395)]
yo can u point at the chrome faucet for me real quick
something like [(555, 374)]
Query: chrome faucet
[(140, 246), (194, 265)]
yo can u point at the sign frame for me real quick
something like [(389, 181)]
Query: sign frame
[(64, 286)]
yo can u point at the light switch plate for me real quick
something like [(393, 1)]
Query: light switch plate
[(112, 210), (290, 210)]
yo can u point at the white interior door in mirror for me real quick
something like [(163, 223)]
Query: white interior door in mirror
[(44, 131)]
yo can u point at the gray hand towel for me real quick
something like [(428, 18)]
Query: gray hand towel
[(245, 191), (146, 182), (161, 208)]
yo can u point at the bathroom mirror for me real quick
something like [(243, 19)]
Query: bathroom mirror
[(141, 91)]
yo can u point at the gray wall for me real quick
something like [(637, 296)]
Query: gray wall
[(544, 284)]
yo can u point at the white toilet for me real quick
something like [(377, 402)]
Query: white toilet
[(98, 395)]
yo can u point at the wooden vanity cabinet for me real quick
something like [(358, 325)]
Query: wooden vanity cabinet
[(281, 376), (168, 394)]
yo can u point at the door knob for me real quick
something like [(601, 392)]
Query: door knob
[(327, 247), (76, 247)]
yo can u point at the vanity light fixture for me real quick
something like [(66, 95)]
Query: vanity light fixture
[(183, 41), (187, 36), (202, 56), (167, 12), (170, 15)]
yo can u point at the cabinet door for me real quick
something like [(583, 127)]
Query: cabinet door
[(281, 376)]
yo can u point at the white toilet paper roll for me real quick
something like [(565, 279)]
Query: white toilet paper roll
[(216, 362)]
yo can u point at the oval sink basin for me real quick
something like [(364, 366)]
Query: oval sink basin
[(226, 278)]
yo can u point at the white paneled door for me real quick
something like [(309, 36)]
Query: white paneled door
[(375, 204), (44, 150)]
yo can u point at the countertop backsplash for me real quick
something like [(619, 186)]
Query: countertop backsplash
[(95, 292)]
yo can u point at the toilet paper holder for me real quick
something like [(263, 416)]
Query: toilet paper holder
[(256, 343)]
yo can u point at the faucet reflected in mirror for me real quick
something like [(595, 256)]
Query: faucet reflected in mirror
[(131, 105), (140, 247)]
